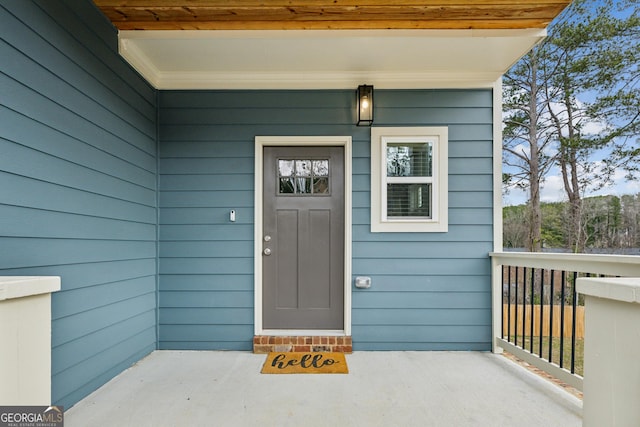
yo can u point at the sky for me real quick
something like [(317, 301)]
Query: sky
[(553, 190)]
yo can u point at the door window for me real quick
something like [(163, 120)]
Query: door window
[(303, 176)]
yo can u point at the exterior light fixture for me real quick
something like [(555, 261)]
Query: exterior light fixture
[(365, 105)]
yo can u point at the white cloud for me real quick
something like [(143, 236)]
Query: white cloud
[(552, 189), (619, 186), (521, 148), (593, 128), (588, 126)]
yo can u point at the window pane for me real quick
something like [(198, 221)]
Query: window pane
[(287, 186), (303, 185), (409, 200), (285, 167), (409, 159), (303, 167), (321, 185), (321, 167)]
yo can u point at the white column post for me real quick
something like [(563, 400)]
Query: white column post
[(611, 352), (25, 337), (496, 305)]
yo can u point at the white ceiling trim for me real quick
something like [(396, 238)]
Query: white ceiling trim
[(320, 80), (391, 59)]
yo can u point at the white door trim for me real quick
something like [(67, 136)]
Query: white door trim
[(337, 141)]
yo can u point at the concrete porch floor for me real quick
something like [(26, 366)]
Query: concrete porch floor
[(208, 388)]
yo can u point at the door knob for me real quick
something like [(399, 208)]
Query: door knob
[(267, 251)]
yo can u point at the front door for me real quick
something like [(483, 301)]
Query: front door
[(303, 241)]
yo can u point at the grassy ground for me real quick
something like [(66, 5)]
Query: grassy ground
[(555, 352)]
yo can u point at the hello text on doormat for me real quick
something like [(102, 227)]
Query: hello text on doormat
[(305, 363)]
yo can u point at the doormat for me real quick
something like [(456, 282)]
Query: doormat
[(305, 363)]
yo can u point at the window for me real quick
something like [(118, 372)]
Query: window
[(409, 179), (303, 176)]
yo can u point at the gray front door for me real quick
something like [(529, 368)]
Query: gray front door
[(303, 242)]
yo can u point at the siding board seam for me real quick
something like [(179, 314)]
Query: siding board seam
[(79, 214), (108, 41), (74, 138), (96, 307), (74, 113), (87, 72), (79, 361), (80, 337), (77, 188), (77, 164)]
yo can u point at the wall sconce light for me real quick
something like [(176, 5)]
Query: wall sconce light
[(365, 105)]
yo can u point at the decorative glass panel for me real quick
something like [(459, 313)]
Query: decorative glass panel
[(303, 176), (321, 185), (409, 200), (409, 159), (287, 186), (303, 185), (321, 167), (285, 167), (303, 167)]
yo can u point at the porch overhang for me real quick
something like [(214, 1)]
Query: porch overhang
[(320, 59), (320, 44)]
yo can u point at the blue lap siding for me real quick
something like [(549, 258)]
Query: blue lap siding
[(431, 291), (78, 186), (125, 192)]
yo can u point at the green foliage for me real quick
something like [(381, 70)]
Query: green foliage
[(553, 225), (611, 224), (594, 52)]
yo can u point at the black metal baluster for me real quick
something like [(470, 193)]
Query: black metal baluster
[(524, 306), (533, 278), (573, 324), (541, 311), (551, 317), (502, 299), (515, 332), (508, 304), (562, 292)]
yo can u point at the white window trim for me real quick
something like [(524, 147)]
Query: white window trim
[(439, 219)]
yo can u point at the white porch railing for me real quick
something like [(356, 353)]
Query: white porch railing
[(529, 272)]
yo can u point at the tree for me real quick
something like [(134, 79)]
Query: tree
[(591, 54), (514, 230), (611, 224), (553, 230), (526, 137), (630, 227), (602, 218), (574, 95)]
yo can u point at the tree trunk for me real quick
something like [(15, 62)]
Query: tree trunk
[(534, 240), (569, 168)]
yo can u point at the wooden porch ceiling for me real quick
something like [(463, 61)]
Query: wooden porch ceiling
[(332, 14)]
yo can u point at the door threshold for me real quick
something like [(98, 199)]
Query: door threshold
[(303, 332), (338, 343)]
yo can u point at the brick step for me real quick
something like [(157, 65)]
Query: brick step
[(269, 343)]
